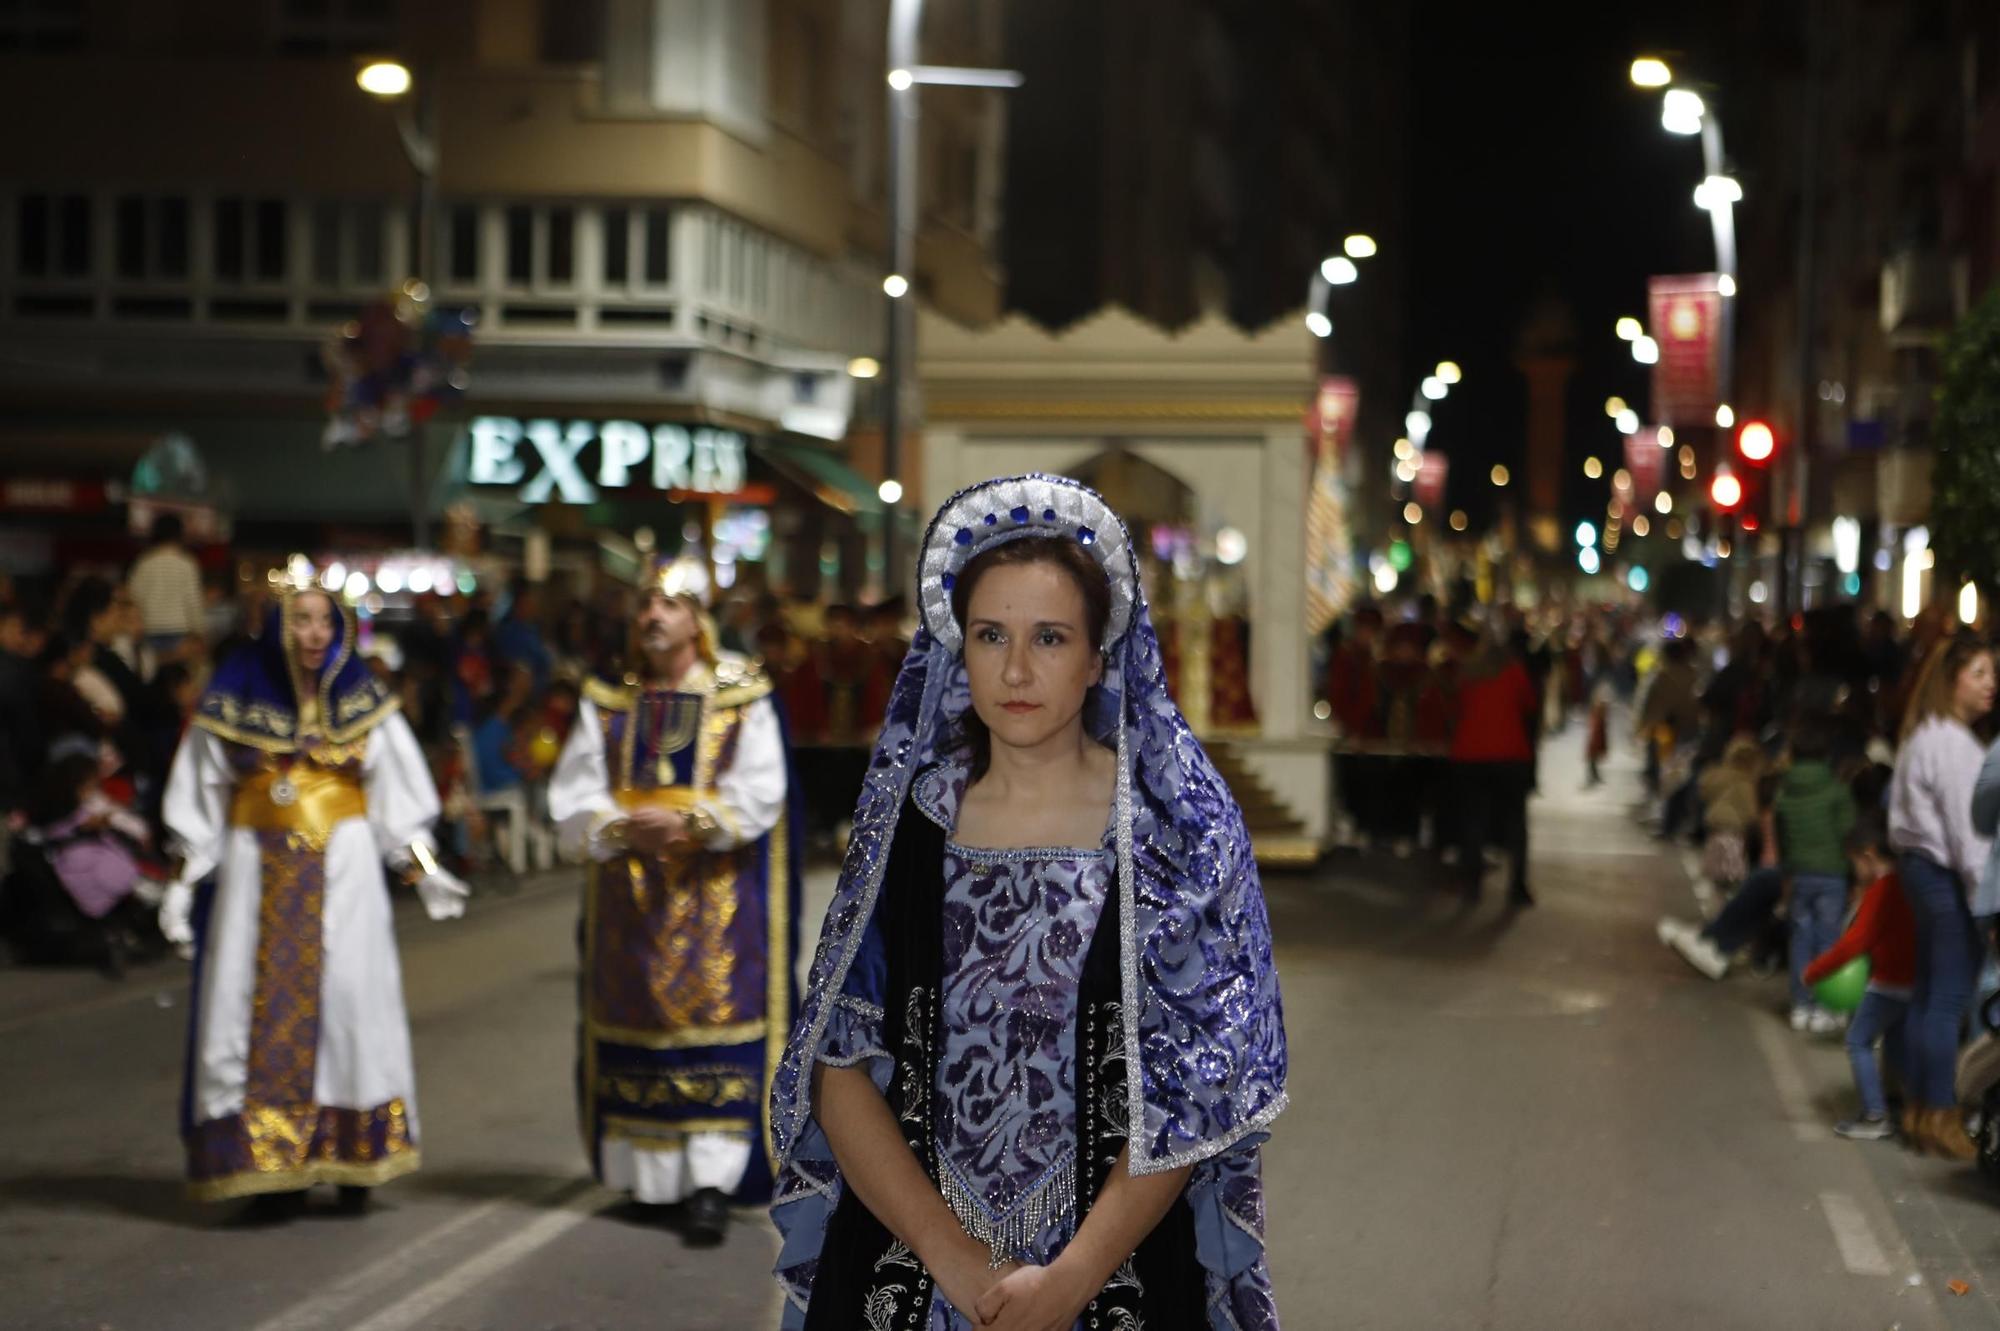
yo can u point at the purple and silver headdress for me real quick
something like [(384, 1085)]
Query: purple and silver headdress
[(1204, 1030)]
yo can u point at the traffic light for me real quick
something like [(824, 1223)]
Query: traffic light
[(1756, 442), (1725, 491)]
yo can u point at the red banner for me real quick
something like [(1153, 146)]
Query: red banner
[(1433, 469), (1686, 321), (1647, 462), (1331, 421)]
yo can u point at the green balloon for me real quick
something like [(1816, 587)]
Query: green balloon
[(1842, 990)]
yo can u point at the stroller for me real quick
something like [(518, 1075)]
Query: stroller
[(45, 927), (1979, 1087)]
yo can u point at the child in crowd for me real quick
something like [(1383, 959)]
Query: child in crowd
[(1730, 812), (1813, 813), (1883, 931)]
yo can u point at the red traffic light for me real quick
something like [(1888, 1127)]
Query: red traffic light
[(1725, 490), (1756, 442)]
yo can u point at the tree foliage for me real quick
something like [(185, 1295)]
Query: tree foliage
[(1965, 479)]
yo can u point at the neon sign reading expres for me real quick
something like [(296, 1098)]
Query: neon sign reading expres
[(666, 457)]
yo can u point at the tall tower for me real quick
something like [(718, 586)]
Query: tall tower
[(1545, 353)]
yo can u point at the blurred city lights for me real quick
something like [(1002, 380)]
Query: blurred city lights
[(1434, 388), (1645, 350), (1681, 111), (1725, 285), (1406, 471), (1339, 270), (901, 79), (1725, 416), (1642, 525), (1630, 329), (1359, 246), (1448, 371), (1587, 560), (1666, 436), (896, 286), (1385, 578), (1621, 480), (1500, 476), (1638, 579), (1756, 442), (1628, 421), (864, 367), (1651, 72), (1968, 604), (1663, 503), (890, 492), (1459, 522), (1320, 325), (1614, 406), (1718, 192), (384, 78), (1586, 534), (1593, 468), (1404, 450), (1418, 426), (1413, 514)]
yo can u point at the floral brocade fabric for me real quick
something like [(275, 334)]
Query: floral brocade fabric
[(1017, 924)]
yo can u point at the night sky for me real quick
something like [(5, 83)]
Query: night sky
[(1540, 172)]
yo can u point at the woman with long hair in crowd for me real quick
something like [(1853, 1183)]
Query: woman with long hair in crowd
[(1940, 857), (1042, 1039)]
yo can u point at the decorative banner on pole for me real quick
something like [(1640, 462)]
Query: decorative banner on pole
[(1647, 462), (1329, 557), (1686, 319), (1433, 469)]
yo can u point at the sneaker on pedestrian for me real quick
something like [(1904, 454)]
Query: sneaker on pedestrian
[(1823, 1022), (1671, 927), (1865, 1129), (1801, 1017), (1700, 953)]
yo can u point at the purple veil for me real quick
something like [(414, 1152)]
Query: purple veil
[(1204, 1028)]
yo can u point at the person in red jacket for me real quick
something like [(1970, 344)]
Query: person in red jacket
[(1353, 693), (1883, 931), (1492, 762)]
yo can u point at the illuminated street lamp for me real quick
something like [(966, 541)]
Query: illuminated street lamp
[(905, 77), (1651, 72)]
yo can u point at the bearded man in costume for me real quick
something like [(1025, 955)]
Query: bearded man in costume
[(674, 783), (297, 781)]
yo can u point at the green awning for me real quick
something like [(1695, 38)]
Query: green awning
[(825, 475)]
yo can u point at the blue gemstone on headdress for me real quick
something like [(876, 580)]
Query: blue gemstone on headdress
[(1048, 515), (950, 581), (992, 519), (1020, 513), (964, 536), (1086, 536)]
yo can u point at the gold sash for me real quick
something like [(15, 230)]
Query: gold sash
[(307, 800), (678, 798)]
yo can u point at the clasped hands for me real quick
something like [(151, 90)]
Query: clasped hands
[(1012, 1297), (649, 830)]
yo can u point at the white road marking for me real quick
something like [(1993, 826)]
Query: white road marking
[(324, 1309), (1859, 1251), (1793, 1098), (416, 1307)]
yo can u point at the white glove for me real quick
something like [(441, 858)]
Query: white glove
[(176, 912), (443, 894)]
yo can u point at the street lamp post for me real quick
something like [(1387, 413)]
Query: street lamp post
[(904, 78), (416, 127)]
